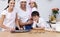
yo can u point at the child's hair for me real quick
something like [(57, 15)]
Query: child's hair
[(35, 5), (8, 5), (35, 13)]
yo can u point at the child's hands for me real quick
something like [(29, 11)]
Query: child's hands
[(36, 20), (42, 27)]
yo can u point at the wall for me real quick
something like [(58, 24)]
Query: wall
[(44, 6)]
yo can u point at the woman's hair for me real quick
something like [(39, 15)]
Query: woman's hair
[(35, 4), (8, 5), (35, 13)]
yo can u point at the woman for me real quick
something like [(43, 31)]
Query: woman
[(8, 20), (24, 16)]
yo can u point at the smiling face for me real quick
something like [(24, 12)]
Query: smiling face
[(35, 18), (23, 4), (35, 15), (31, 4), (11, 4)]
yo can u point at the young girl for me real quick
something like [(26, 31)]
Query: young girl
[(8, 20), (38, 22), (33, 5)]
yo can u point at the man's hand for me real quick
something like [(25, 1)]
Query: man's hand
[(30, 22)]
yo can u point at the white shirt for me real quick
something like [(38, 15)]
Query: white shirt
[(41, 23), (23, 15), (34, 9), (9, 20), (0, 13)]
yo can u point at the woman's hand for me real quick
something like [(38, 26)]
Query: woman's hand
[(10, 29)]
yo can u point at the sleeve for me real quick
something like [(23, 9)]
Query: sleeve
[(3, 13), (34, 9), (44, 23), (0, 14), (18, 15), (17, 11), (34, 24)]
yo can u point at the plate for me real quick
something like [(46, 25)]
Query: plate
[(20, 31)]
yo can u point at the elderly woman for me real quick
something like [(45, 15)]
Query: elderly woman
[(24, 15)]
